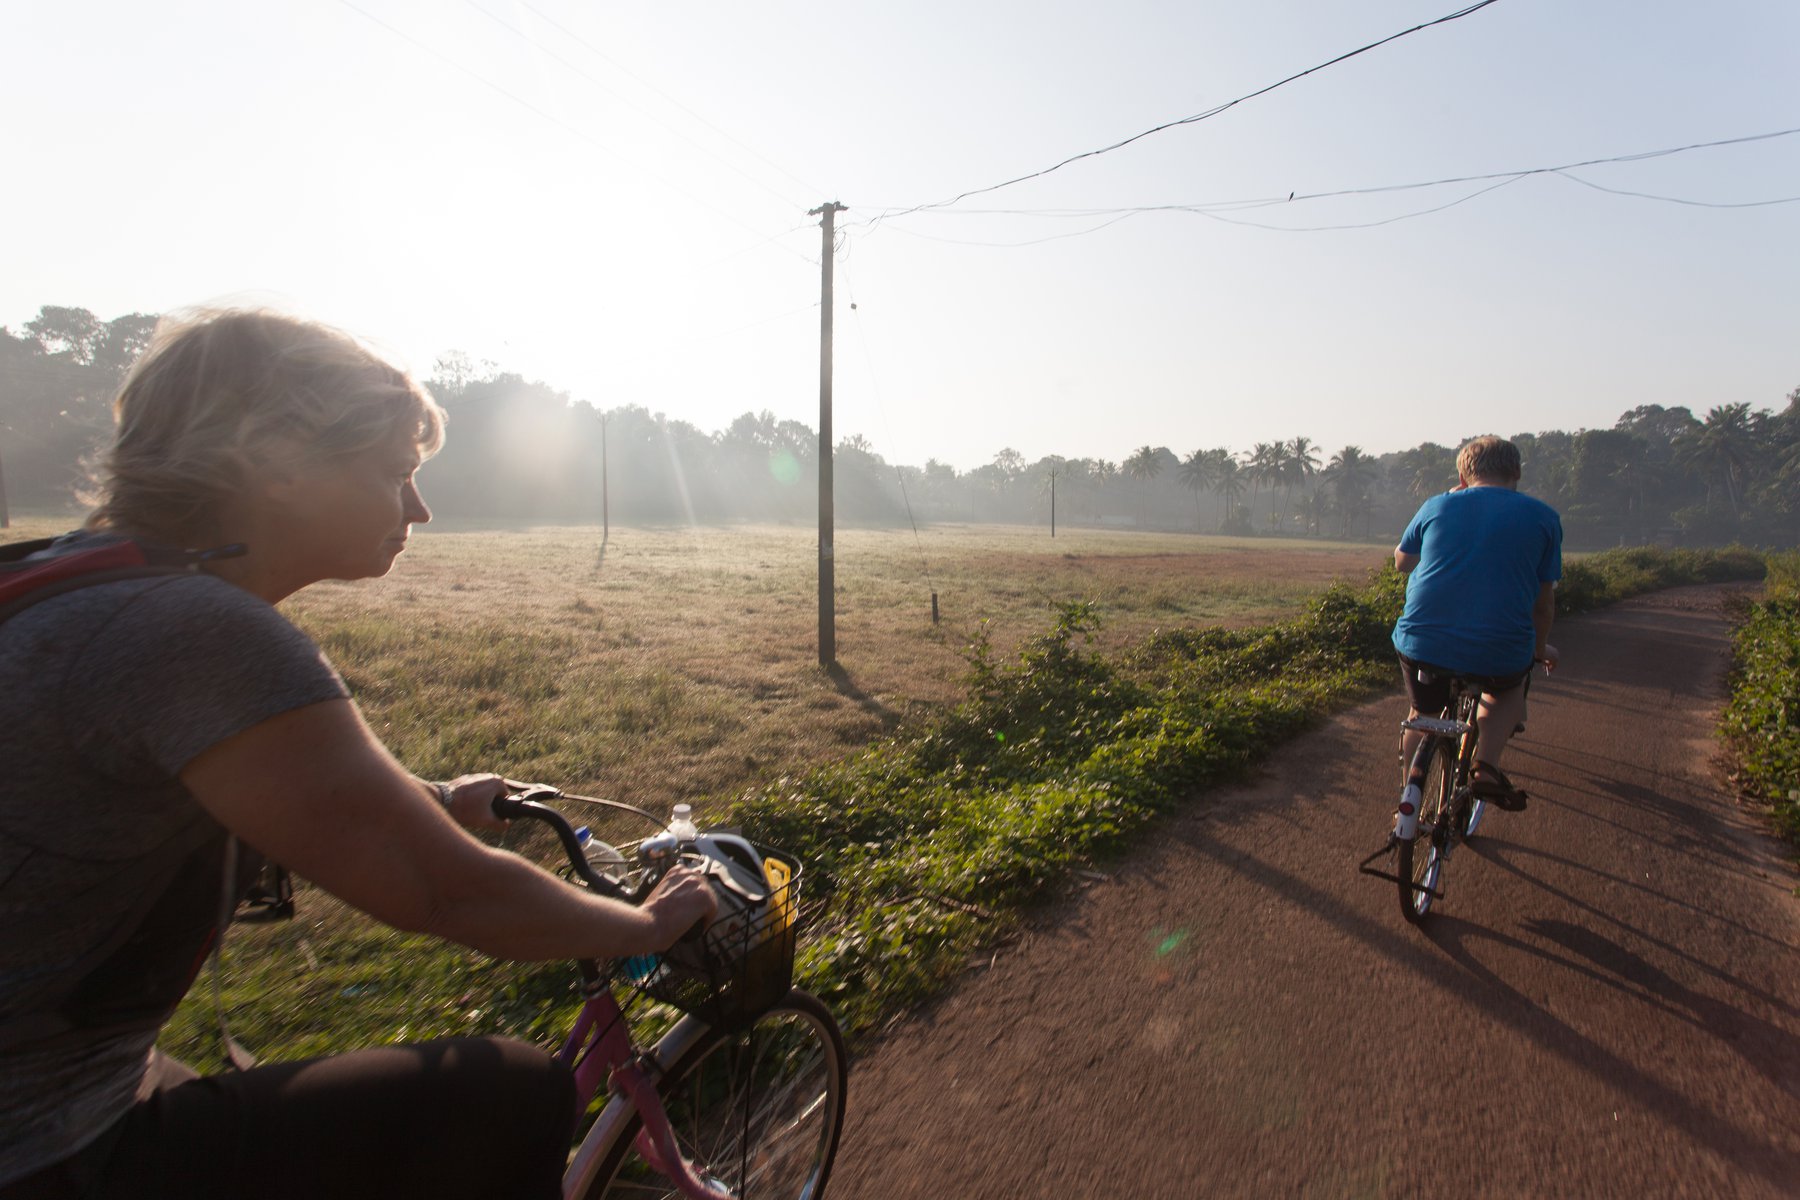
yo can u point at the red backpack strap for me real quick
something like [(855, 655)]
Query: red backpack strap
[(25, 581)]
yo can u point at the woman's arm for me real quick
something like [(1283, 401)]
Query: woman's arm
[(314, 790)]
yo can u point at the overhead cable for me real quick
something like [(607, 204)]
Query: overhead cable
[(1497, 179), (1202, 116)]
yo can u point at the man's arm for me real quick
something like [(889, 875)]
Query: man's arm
[(1404, 562), (1543, 614)]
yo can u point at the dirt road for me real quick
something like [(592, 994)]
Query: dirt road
[(1606, 1003)]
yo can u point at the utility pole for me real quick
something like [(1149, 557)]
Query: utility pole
[(1053, 504), (827, 572), (605, 518)]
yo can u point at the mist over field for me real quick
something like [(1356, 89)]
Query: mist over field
[(521, 451)]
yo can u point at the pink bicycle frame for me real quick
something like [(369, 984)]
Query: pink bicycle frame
[(599, 1050)]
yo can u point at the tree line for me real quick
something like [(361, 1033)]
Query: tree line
[(522, 451)]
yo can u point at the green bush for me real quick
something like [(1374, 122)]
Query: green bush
[(1761, 722), (1613, 575)]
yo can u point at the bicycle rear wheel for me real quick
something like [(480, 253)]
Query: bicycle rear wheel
[(1421, 863), (759, 1111)]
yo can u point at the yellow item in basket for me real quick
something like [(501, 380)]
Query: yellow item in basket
[(781, 897)]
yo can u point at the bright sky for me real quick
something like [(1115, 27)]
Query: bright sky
[(613, 198)]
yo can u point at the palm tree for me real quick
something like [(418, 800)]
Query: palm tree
[(1228, 481), (1256, 468), (1350, 472), (1197, 473), (1425, 470), (1723, 448), (1302, 464), (1275, 470), (1143, 466)]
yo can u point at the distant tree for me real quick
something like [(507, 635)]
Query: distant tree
[(122, 340), (1256, 470), (1425, 470), (1197, 475), (1229, 481), (1302, 464), (1144, 465), (1275, 472), (1351, 472), (1723, 449), (71, 333)]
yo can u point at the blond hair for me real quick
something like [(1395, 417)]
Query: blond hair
[(221, 393), (1489, 458)]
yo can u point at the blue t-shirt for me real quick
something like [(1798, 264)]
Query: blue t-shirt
[(1483, 554)]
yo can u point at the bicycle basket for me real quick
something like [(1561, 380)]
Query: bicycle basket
[(744, 962)]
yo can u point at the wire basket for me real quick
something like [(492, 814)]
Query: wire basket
[(740, 967)]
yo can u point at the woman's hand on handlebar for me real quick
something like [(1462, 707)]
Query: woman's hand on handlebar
[(470, 801), (681, 901)]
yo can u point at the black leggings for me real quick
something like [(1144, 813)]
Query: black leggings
[(475, 1118)]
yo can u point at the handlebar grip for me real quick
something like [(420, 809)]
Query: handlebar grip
[(508, 808)]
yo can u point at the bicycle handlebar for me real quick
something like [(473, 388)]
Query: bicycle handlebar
[(529, 805)]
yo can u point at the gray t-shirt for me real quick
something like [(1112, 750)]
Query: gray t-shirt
[(106, 693)]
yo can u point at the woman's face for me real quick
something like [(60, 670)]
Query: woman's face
[(349, 518)]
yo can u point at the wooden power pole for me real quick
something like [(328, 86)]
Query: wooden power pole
[(827, 571)]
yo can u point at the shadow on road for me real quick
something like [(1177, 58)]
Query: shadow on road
[(1458, 971)]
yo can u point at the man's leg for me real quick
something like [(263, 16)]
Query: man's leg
[(1498, 717)]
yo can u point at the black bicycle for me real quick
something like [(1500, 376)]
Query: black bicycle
[(1444, 808)]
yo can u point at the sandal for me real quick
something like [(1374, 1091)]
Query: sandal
[(1492, 785)]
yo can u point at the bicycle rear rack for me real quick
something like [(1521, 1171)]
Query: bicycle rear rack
[(1443, 726)]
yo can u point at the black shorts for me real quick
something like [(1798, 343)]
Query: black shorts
[(1432, 694)]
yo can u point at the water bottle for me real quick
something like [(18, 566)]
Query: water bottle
[(681, 823), (602, 859), (1406, 821)]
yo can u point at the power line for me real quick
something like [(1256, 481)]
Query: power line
[(1492, 187), (1677, 199), (1497, 179), (1209, 113)]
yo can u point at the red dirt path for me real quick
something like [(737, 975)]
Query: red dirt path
[(1606, 1002)]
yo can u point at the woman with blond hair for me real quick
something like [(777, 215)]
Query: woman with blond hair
[(152, 724)]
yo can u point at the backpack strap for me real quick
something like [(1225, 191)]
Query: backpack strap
[(26, 580)]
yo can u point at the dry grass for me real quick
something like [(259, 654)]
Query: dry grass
[(682, 663)]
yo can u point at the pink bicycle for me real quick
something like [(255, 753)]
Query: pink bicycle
[(742, 1098)]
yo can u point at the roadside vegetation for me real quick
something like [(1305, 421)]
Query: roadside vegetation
[(1761, 723), (920, 848)]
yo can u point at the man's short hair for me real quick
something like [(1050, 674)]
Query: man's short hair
[(1489, 458)]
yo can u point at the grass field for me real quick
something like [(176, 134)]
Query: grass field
[(683, 664)]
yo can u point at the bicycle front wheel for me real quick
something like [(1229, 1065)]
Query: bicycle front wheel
[(758, 1111), (1421, 864)]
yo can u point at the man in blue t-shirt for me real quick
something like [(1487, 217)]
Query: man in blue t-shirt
[(1482, 562)]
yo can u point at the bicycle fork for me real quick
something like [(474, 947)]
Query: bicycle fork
[(656, 1139), (599, 1047)]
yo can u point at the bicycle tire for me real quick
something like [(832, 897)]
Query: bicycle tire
[(732, 1097), (1421, 859)]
